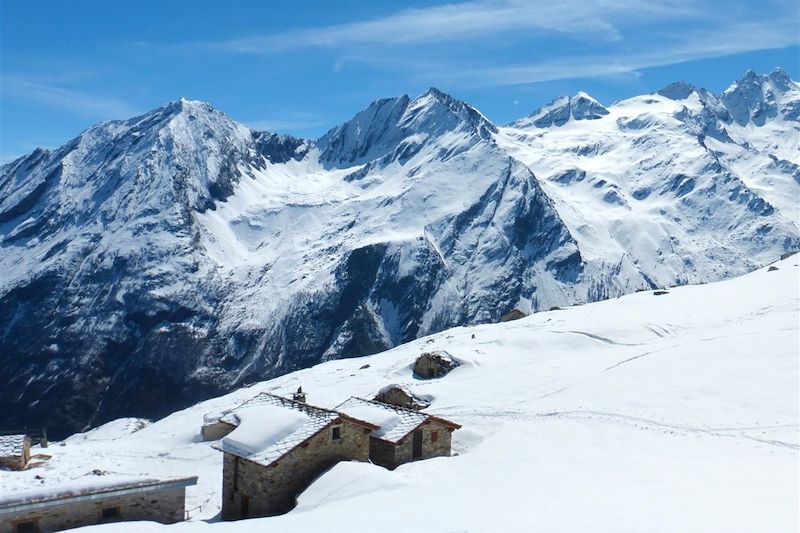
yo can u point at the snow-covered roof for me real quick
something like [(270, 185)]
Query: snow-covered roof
[(270, 426), (394, 422), (85, 486), (11, 445)]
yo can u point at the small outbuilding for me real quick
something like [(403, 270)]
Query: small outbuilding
[(397, 395), (434, 364), (403, 435), (15, 451), (94, 500), (279, 447)]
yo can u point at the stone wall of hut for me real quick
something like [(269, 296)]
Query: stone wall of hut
[(251, 489)]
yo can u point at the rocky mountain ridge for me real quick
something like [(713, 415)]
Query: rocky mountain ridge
[(153, 262)]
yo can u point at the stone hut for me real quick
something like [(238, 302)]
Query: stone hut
[(90, 500), (15, 451), (277, 450), (397, 395), (404, 435), (434, 364)]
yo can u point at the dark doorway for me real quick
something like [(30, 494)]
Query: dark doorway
[(416, 445), (245, 510)]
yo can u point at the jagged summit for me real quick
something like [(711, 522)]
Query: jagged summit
[(758, 98), (381, 128), (582, 106), (678, 90)]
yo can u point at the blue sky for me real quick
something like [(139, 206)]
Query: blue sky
[(302, 67)]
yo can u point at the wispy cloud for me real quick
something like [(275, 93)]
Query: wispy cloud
[(564, 39), (688, 46), (468, 21), (22, 88)]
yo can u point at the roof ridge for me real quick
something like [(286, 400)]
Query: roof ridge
[(388, 406)]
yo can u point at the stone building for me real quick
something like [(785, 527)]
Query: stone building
[(15, 451), (434, 364), (93, 500), (277, 450), (397, 395), (403, 435)]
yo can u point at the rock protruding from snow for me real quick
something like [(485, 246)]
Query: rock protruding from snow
[(434, 364)]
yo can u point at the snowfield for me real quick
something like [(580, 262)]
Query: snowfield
[(671, 412)]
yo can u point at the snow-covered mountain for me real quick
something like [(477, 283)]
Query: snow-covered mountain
[(154, 262), (656, 413)]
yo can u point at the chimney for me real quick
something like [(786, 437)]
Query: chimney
[(299, 396)]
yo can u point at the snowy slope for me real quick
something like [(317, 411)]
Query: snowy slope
[(154, 262), (673, 412)]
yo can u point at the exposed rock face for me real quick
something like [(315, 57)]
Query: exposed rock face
[(397, 395), (434, 364)]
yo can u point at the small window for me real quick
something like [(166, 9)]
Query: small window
[(337, 433), (109, 513), (29, 526), (434, 436)]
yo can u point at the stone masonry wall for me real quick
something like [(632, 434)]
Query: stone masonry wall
[(165, 506), (274, 489), (382, 453), (440, 448)]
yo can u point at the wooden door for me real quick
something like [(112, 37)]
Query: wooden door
[(416, 445)]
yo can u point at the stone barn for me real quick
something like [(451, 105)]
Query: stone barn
[(93, 500), (15, 451), (403, 435), (279, 448)]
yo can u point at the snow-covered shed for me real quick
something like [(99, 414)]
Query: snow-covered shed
[(15, 451), (278, 448), (403, 435), (93, 500), (217, 425)]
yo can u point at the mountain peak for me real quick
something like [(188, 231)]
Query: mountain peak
[(435, 112), (436, 93), (678, 90), (558, 112), (184, 105), (379, 129), (781, 79), (758, 98)]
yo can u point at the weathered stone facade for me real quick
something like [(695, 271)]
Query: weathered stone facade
[(252, 489), (434, 364), (165, 506), (436, 442)]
